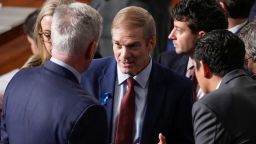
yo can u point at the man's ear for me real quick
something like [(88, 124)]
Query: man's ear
[(152, 43), (201, 33), (206, 70), (90, 50), (223, 6)]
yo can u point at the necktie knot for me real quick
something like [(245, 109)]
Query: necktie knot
[(130, 82)]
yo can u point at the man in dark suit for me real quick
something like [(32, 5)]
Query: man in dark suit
[(227, 113), (192, 19), (46, 104), (158, 9), (238, 12), (163, 99)]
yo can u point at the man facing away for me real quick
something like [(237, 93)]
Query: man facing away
[(226, 114), (238, 12), (46, 104), (192, 19), (162, 102)]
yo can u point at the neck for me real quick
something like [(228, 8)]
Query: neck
[(74, 61), (214, 81), (234, 22)]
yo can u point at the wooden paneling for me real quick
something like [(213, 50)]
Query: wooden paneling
[(22, 3), (14, 54), (29, 3)]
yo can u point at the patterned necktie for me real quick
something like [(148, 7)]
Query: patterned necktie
[(124, 131)]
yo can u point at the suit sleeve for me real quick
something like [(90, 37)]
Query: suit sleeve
[(4, 136), (207, 127), (91, 128)]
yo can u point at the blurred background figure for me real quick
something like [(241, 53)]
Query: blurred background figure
[(158, 9), (253, 12), (248, 35), (238, 12), (28, 28)]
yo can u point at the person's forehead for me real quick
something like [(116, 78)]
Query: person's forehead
[(127, 32), (46, 21), (181, 24)]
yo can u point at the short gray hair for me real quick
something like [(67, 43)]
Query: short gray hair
[(248, 35), (74, 27)]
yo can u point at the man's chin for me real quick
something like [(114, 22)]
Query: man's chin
[(178, 51)]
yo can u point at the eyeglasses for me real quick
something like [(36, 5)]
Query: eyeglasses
[(45, 35), (246, 60)]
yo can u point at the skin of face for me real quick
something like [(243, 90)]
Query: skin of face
[(32, 45), (250, 64), (131, 50), (46, 29), (182, 37), (202, 81)]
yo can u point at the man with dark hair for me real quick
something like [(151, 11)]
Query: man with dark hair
[(226, 114), (238, 12), (192, 19)]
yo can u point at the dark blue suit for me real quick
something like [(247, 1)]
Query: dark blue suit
[(168, 101), (46, 105), (174, 61)]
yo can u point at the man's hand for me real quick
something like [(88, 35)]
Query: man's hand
[(161, 139)]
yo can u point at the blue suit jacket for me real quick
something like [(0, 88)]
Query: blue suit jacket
[(174, 61), (169, 101), (46, 105)]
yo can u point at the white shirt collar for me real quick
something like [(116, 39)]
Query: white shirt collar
[(141, 78), (70, 68), (237, 27), (218, 85), (190, 63)]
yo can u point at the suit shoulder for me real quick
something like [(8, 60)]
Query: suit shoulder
[(169, 75), (101, 63)]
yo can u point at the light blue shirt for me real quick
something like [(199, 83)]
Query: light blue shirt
[(141, 91), (61, 63)]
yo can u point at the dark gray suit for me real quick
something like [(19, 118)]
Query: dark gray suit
[(46, 105), (227, 115)]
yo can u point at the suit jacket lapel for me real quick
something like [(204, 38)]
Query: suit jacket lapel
[(182, 63), (154, 100), (108, 88)]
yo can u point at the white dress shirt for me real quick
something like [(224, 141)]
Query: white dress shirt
[(141, 90)]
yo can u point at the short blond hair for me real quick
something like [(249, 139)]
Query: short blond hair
[(135, 17)]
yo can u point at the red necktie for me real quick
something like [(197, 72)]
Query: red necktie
[(124, 131)]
